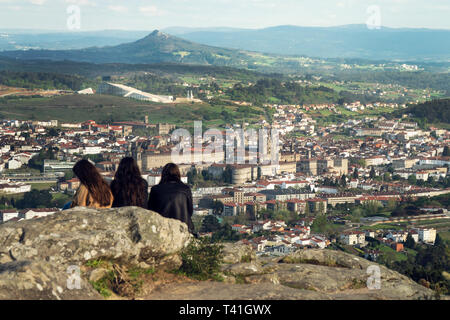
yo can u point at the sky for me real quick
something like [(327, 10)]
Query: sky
[(88, 15)]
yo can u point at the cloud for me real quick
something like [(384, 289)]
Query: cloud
[(82, 2), (119, 9), (152, 11), (38, 2)]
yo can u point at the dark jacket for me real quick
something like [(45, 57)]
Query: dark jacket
[(173, 200), (122, 198)]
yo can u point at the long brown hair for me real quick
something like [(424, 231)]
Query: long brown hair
[(91, 179), (128, 187), (170, 173)]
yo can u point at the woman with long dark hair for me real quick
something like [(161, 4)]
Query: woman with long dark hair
[(171, 197), (93, 192), (128, 187)]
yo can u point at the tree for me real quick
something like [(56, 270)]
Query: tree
[(373, 173), (410, 242), (343, 180), (446, 152), (210, 224), (355, 173), (412, 179), (226, 233), (35, 199), (217, 207), (390, 169), (228, 175), (53, 132), (438, 242), (371, 207), (259, 173), (392, 204)]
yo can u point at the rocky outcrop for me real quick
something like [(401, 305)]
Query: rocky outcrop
[(46, 258), (41, 258), (303, 275)]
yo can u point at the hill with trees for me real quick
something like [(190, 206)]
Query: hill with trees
[(155, 48), (435, 111), (275, 91), (41, 80)]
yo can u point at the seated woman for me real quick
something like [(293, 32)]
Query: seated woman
[(93, 192), (172, 198), (128, 187)]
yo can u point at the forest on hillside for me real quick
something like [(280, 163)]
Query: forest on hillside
[(434, 111), (41, 80), (275, 91)]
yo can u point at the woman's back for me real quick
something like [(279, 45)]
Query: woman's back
[(83, 198), (128, 187), (172, 200), (130, 193), (93, 192)]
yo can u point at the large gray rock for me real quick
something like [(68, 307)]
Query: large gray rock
[(226, 291), (236, 253), (303, 275), (335, 274), (35, 254), (38, 257), (32, 280)]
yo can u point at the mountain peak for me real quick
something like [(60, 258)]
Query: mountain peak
[(158, 34)]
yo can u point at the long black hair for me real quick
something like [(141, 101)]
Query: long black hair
[(128, 187), (170, 173), (92, 179)]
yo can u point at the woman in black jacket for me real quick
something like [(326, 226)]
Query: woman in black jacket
[(128, 187), (171, 198)]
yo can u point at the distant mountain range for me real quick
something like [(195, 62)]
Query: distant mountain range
[(283, 49), (155, 48), (11, 39), (350, 41)]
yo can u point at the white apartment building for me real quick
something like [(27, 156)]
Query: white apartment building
[(353, 238), (427, 235), (399, 236), (14, 164)]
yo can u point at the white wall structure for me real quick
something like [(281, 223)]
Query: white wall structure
[(129, 92)]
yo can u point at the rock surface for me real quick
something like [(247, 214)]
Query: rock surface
[(304, 275), (38, 257)]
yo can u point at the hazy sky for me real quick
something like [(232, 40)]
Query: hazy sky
[(159, 14)]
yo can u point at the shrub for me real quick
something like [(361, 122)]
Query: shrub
[(202, 259)]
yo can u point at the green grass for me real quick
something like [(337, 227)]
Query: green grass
[(391, 254), (103, 108), (42, 186), (136, 272), (103, 285), (98, 263), (382, 227)]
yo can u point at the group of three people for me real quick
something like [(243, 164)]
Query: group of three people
[(171, 197)]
